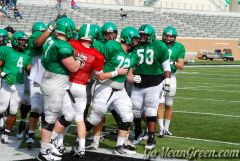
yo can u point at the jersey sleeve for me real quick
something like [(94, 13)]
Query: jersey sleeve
[(182, 51), (65, 51), (99, 63), (4, 50), (164, 51)]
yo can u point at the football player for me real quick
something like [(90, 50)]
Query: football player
[(13, 78), (176, 56), (58, 61), (108, 32), (35, 78), (111, 92), (94, 62), (3, 42), (147, 78)]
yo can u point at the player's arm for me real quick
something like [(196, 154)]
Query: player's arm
[(131, 78), (28, 68), (42, 38), (102, 76), (71, 64), (179, 64)]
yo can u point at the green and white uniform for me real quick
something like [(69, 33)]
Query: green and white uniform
[(15, 64), (55, 80), (176, 51), (111, 93), (145, 95)]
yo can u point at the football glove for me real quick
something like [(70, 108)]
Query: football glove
[(80, 59), (166, 84), (137, 79), (172, 62), (52, 25), (9, 79)]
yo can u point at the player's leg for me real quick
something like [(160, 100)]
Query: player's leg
[(160, 114), (122, 105), (80, 96), (101, 101), (151, 101), (5, 95), (169, 104), (53, 102), (137, 100), (16, 97), (36, 110)]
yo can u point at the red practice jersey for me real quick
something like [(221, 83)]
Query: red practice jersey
[(94, 61)]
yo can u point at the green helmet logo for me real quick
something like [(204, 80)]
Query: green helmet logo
[(19, 41), (3, 37), (38, 26), (65, 26), (128, 34), (87, 32), (109, 31), (148, 30), (170, 30), (98, 32)]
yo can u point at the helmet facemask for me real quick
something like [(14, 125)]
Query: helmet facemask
[(110, 35), (22, 44), (169, 39)]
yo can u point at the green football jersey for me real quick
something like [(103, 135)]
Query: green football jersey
[(151, 58), (176, 51), (15, 63), (115, 58), (99, 45), (34, 51), (54, 50)]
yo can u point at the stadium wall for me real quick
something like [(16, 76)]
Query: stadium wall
[(198, 44)]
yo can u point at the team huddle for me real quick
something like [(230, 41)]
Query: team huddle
[(133, 78)]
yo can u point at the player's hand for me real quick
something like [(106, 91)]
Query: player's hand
[(8, 78), (80, 59), (166, 85), (52, 25), (137, 79), (122, 71)]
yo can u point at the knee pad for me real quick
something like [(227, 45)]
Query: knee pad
[(169, 101), (24, 109), (116, 116), (151, 119), (47, 125), (34, 115), (64, 122), (88, 125), (124, 125)]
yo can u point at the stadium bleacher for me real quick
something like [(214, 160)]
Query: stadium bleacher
[(188, 24)]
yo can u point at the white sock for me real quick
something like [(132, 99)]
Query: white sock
[(96, 139), (81, 142), (167, 123), (160, 123), (31, 131), (54, 135), (44, 147), (120, 140), (60, 139)]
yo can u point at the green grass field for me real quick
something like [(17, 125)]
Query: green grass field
[(206, 112)]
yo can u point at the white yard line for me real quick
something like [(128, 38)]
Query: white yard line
[(206, 140), (217, 84), (206, 99), (203, 88), (213, 114)]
